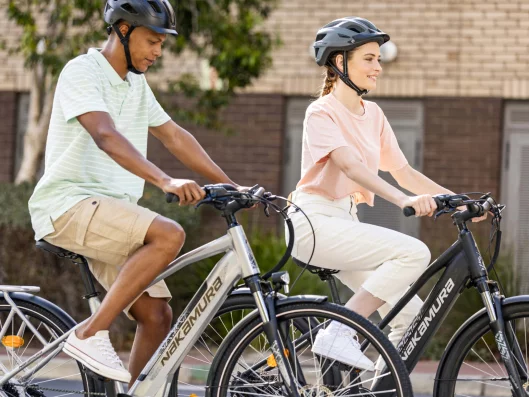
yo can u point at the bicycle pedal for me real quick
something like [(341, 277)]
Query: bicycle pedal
[(100, 378)]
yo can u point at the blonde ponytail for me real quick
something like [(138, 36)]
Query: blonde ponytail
[(328, 82)]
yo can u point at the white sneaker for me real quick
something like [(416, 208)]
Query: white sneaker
[(97, 353), (380, 364), (340, 343)]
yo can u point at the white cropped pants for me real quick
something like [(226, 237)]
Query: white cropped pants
[(382, 261)]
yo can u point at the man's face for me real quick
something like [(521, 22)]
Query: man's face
[(145, 47)]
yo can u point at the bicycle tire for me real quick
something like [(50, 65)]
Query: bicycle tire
[(92, 386), (461, 347), (233, 346)]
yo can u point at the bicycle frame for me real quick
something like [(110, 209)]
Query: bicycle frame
[(238, 262), (462, 262)]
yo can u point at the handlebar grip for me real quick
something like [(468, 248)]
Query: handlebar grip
[(408, 211), (171, 198)]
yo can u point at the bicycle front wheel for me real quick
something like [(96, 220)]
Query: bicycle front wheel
[(244, 364), (473, 365), (52, 375)]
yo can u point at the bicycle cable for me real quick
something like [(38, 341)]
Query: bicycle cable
[(284, 213)]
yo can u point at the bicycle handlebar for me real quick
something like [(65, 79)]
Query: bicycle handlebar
[(212, 191), (447, 202), (223, 195)]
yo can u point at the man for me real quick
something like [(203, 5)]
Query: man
[(95, 171)]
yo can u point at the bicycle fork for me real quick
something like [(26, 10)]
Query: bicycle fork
[(266, 308), (507, 344)]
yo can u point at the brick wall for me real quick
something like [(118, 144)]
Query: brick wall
[(8, 113), (252, 155), (446, 48), (462, 149), (462, 152)]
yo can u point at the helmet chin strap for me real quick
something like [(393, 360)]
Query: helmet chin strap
[(125, 41), (345, 77)]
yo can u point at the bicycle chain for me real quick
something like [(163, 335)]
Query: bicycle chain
[(39, 388)]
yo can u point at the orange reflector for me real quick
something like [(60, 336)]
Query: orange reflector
[(271, 360), (12, 341), (193, 395)]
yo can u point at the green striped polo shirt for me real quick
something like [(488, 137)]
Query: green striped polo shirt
[(75, 168)]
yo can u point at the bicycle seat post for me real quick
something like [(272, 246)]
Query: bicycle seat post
[(91, 294), (334, 290)]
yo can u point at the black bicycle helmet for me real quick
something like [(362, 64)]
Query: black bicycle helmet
[(343, 35), (157, 15)]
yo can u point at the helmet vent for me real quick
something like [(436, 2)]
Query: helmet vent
[(343, 36), (170, 13), (127, 7), (355, 30), (155, 6), (320, 37)]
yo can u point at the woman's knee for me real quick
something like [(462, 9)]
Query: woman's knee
[(419, 255), (424, 254)]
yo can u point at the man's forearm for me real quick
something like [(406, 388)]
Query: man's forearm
[(126, 155), (187, 149)]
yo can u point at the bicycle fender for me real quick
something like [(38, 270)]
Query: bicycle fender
[(301, 299), (41, 302), (480, 315), (246, 291)]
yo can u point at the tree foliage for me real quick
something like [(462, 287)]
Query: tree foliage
[(228, 34)]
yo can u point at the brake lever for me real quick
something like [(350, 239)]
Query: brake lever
[(443, 211), (205, 201), (266, 210), (270, 196)]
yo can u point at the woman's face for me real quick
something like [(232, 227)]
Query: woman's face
[(364, 66)]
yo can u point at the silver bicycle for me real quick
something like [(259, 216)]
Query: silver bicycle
[(267, 354)]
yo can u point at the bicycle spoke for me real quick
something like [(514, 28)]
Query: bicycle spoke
[(364, 381), (485, 362), (55, 379), (478, 369), (32, 337)]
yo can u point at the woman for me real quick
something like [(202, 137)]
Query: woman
[(346, 140)]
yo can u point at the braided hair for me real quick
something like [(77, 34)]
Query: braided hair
[(330, 75)]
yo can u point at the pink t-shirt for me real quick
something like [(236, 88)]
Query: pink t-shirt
[(329, 125)]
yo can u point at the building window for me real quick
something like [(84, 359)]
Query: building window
[(515, 187)]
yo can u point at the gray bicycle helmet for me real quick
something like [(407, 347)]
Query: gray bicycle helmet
[(343, 35), (157, 15)]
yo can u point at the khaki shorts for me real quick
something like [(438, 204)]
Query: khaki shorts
[(106, 232)]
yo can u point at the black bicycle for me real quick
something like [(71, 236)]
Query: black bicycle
[(488, 354)]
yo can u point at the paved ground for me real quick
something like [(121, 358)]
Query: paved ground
[(422, 378)]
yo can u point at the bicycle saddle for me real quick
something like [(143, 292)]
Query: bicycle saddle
[(323, 273), (60, 252)]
